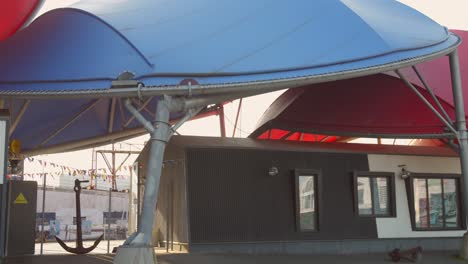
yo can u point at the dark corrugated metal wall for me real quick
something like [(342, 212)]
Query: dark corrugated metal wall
[(232, 198)]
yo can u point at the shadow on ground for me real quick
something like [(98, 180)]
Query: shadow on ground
[(61, 259), (428, 258)]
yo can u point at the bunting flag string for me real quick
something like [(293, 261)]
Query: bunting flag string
[(57, 170)]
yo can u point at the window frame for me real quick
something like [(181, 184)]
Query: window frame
[(391, 192), (317, 198), (409, 182)]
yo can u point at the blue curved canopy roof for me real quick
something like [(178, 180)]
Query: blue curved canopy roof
[(219, 46), (86, 47)]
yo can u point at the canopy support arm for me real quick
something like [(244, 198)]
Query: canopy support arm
[(222, 124), (122, 163), (191, 113), (110, 127), (460, 122), (18, 118), (429, 90), (109, 166), (137, 115), (451, 144), (287, 135), (428, 104), (237, 117), (129, 121), (71, 121)]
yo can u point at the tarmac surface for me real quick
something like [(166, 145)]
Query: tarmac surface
[(180, 258)]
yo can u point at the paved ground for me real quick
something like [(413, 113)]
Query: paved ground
[(177, 258)]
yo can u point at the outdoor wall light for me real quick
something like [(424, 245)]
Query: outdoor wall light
[(405, 173), (273, 171)]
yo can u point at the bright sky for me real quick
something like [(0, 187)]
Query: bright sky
[(450, 13)]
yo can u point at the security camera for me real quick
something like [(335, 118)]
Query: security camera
[(405, 173), (273, 171)]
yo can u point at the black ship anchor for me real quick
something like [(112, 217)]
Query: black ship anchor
[(79, 236)]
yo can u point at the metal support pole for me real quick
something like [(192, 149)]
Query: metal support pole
[(138, 245), (159, 136), (237, 118), (222, 124), (167, 222), (95, 170), (91, 172), (114, 172), (172, 214), (138, 197), (108, 222), (43, 209), (130, 213), (460, 122)]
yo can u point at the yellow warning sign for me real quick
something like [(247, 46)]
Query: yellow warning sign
[(20, 199)]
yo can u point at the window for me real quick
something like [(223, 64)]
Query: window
[(83, 218), (374, 194), (435, 202), (306, 200), (48, 216), (112, 217)]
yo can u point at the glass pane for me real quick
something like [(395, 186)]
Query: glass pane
[(436, 213), (307, 202), (420, 203), (381, 201), (364, 196), (451, 203)]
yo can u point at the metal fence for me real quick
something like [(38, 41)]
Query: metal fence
[(103, 212)]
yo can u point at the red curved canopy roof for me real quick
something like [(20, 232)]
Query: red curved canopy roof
[(373, 105), (14, 14), (377, 106)]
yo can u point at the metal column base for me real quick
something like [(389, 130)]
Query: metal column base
[(135, 255)]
